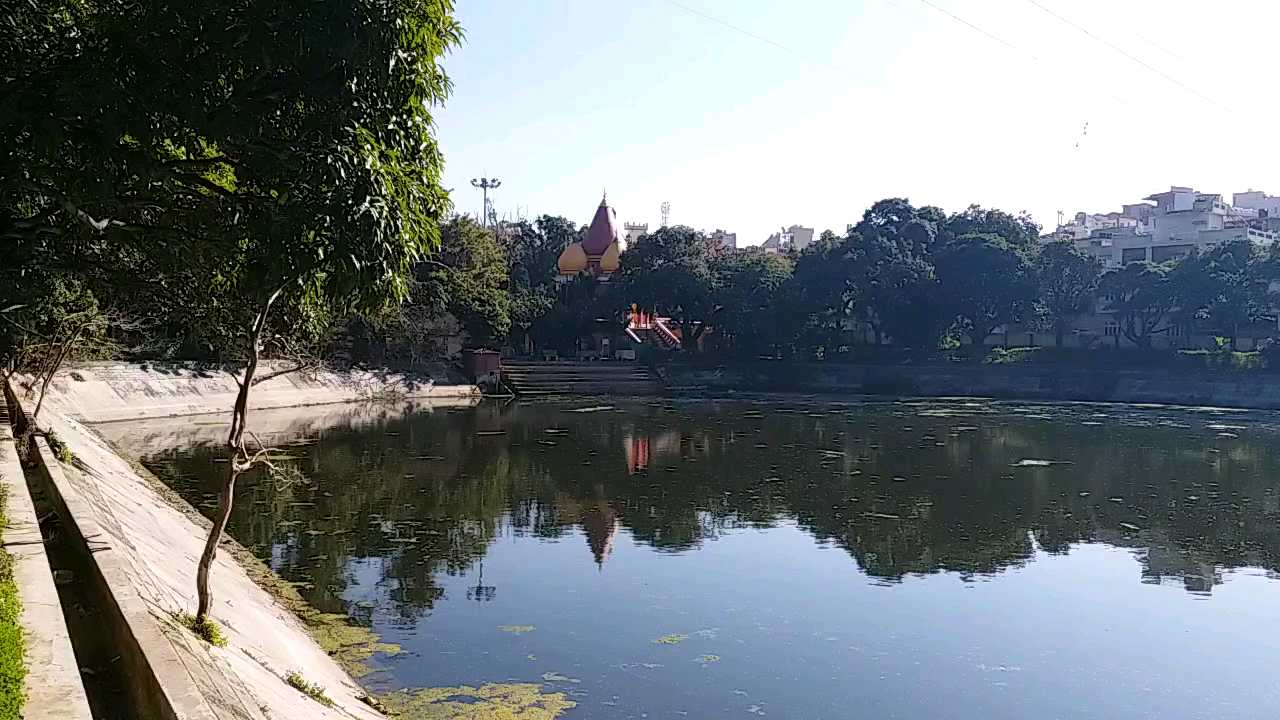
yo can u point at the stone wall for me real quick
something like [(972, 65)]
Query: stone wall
[(1223, 388)]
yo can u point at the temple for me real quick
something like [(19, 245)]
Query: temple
[(598, 253), (598, 256)]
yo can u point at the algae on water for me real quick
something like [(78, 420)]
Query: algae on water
[(493, 701), (671, 639), (516, 629)]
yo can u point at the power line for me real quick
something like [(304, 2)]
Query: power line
[(799, 55), (977, 29), (1018, 49), (731, 26), (1123, 52)]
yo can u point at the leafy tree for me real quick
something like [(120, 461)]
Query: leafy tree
[(1017, 230), (1068, 282), (669, 272), (1141, 298), (274, 160), (582, 306), (986, 282), (1236, 272), (894, 243), (747, 288), (820, 296), (469, 279), (532, 253)]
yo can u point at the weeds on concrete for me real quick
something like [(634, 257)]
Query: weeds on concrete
[(389, 394), (13, 668), (207, 630), (60, 449), (311, 690)]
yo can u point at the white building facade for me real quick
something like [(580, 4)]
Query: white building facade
[(632, 232), (1171, 225), (795, 238)]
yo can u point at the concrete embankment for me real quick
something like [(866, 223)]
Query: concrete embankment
[(1222, 388), (52, 685), (104, 392), (143, 547)]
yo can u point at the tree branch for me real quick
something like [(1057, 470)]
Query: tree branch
[(277, 373)]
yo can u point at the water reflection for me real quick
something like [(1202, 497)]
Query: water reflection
[(398, 507)]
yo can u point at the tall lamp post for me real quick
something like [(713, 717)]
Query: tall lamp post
[(485, 184)]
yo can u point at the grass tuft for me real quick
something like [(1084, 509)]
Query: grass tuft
[(207, 630), (13, 668), (60, 449), (311, 690)]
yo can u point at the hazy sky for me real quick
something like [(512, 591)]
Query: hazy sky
[(813, 109)]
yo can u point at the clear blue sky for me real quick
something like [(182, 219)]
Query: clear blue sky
[(812, 109)]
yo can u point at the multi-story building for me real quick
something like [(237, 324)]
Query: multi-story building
[(1173, 225), (723, 240), (795, 238), (1265, 205)]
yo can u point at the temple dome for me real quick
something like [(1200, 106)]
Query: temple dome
[(603, 231), (610, 262), (573, 260)]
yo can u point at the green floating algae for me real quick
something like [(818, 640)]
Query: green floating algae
[(671, 639), (516, 629), (491, 701)]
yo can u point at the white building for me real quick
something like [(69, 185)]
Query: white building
[(632, 232), (723, 239), (1258, 201), (795, 238), (1178, 221)]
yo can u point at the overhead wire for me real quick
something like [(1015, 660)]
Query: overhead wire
[(1125, 53), (760, 38)]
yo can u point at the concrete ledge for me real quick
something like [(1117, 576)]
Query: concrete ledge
[(53, 686), (107, 392), (143, 554), (157, 684)]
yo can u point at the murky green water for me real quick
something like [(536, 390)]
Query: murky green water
[(796, 559)]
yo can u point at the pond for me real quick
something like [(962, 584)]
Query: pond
[(790, 559)]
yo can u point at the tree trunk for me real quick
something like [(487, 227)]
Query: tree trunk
[(225, 499), (55, 365), (1058, 332), (239, 462)]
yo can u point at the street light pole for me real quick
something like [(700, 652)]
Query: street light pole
[(485, 185)]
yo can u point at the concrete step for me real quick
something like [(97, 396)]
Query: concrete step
[(578, 378)]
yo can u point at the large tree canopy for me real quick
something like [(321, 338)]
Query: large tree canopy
[(1141, 299), (469, 280), (747, 288), (1018, 230), (669, 271), (1068, 284), (894, 243), (257, 155), (986, 281)]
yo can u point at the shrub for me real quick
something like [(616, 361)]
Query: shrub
[(302, 685), (207, 630)]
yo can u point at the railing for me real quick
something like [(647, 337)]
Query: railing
[(671, 338)]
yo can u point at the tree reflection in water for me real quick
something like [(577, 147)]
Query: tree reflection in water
[(904, 488)]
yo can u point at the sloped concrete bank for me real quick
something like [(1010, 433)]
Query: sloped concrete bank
[(105, 392), (52, 685), (143, 547), (1221, 388)]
